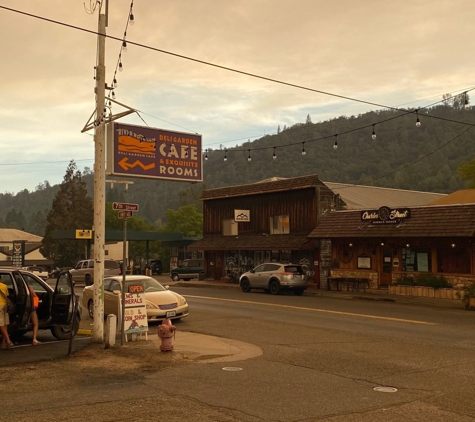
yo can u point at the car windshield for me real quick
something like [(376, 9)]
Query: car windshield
[(152, 285)]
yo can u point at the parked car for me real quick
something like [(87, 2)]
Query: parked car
[(274, 277), (188, 269), (83, 271), (161, 302), (55, 310), (39, 271), (156, 267)]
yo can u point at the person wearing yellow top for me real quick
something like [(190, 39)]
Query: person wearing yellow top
[(4, 318)]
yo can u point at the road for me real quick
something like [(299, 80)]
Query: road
[(322, 360)]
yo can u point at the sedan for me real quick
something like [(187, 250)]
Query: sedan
[(161, 303), (274, 277)]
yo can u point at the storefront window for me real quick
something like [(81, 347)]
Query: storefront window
[(416, 260)]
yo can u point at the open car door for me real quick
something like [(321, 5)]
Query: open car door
[(63, 304)]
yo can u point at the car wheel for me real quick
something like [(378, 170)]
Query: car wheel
[(63, 332), (298, 292), (245, 285), (175, 277), (90, 309), (274, 287), (88, 280)]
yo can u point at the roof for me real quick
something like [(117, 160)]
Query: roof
[(430, 221), (257, 243), (266, 186), (465, 196), (10, 235), (373, 197)]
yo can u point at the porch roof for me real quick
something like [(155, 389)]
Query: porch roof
[(430, 221), (253, 242)]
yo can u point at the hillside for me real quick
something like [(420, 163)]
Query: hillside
[(436, 148)]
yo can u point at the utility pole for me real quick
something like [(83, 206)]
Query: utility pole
[(99, 181)]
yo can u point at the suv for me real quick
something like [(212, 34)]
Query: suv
[(274, 277), (55, 309), (188, 269), (83, 271), (155, 267)]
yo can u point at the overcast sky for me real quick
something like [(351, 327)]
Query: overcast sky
[(396, 53)]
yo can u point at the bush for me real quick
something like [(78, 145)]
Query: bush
[(405, 280), (467, 292), (431, 280)]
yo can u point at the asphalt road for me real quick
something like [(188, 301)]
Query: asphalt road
[(322, 360)]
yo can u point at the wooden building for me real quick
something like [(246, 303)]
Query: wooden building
[(386, 243)]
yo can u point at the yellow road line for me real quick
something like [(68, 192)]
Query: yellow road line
[(409, 321)]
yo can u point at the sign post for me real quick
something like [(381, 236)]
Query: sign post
[(125, 211)]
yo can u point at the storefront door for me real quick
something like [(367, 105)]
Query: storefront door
[(386, 267)]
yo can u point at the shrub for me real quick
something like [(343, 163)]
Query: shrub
[(405, 280), (467, 292), (432, 280)]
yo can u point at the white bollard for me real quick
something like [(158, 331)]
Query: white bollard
[(111, 327)]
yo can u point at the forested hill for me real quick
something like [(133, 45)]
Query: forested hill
[(402, 156)]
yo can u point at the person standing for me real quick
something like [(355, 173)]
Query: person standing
[(34, 315), (4, 317)]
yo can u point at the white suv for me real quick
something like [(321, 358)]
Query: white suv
[(84, 270)]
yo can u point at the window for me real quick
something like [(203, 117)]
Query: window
[(230, 228), (279, 224), (453, 260), (416, 260)]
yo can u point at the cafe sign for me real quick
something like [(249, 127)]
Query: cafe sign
[(386, 215)]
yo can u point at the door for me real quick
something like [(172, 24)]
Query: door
[(64, 300), (20, 294), (386, 267)]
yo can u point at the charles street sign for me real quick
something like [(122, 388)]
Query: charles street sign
[(144, 152), (386, 215)]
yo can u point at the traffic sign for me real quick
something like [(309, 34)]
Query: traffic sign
[(125, 214), (119, 206)]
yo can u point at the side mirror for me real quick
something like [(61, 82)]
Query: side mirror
[(167, 287)]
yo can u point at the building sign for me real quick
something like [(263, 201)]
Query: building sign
[(18, 254), (137, 151), (242, 215), (83, 234), (135, 313), (386, 215)]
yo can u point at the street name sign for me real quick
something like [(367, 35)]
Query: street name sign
[(120, 206), (125, 214)]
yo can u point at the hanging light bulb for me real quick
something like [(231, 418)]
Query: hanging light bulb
[(206, 155), (131, 19), (113, 95), (303, 149), (249, 156), (121, 68), (274, 157), (418, 122), (335, 145), (225, 155), (114, 83), (110, 103), (466, 104), (124, 46), (374, 134)]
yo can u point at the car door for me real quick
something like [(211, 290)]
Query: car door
[(111, 299), (256, 279), (20, 295), (64, 302)]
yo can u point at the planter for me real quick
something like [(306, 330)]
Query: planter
[(430, 292), (392, 289), (419, 291), (413, 290)]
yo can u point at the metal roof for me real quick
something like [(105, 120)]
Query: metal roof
[(11, 235)]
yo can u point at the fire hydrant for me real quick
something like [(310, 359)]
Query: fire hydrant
[(166, 333)]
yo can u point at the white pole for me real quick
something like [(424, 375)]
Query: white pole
[(99, 187)]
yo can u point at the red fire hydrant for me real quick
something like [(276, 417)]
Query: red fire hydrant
[(166, 333)]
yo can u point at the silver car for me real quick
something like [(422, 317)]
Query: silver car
[(274, 277)]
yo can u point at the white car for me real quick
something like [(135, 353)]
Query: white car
[(161, 303), (38, 271)]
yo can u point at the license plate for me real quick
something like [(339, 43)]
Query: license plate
[(170, 313)]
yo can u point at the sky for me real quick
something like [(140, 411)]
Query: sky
[(403, 53)]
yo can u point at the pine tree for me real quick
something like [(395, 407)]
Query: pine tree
[(72, 209), (309, 120)]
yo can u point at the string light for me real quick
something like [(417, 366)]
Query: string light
[(113, 95), (418, 122), (303, 149), (124, 46), (274, 157), (466, 104), (206, 155), (374, 133), (249, 156), (335, 145), (225, 155), (114, 83), (131, 19)]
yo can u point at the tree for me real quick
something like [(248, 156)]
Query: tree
[(186, 220), (466, 172), (72, 209), (309, 120)]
